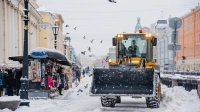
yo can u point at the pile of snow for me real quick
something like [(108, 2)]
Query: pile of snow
[(9, 98), (43, 8), (42, 49), (178, 100)]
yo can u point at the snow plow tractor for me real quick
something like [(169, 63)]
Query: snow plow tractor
[(133, 72)]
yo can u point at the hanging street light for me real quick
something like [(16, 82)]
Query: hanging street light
[(65, 46), (55, 29)]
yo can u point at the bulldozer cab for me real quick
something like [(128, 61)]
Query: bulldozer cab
[(136, 45)]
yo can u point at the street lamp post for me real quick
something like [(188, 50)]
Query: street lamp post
[(65, 47), (24, 79), (55, 29)]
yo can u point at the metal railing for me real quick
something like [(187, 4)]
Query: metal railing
[(187, 82), (182, 73)]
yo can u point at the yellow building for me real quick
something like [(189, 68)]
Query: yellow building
[(45, 34)]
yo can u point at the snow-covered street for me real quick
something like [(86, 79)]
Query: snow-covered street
[(176, 100)]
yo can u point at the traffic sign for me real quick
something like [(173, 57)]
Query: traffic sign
[(175, 23), (162, 22), (171, 47)]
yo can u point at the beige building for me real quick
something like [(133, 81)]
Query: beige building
[(12, 29), (45, 34)]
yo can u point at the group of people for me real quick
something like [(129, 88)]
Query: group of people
[(57, 80), (10, 81), (76, 73)]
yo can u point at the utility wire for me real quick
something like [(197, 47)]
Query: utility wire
[(151, 15), (124, 11), (118, 5)]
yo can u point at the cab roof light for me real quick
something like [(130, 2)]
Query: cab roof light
[(150, 35), (146, 35), (140, 31), (120, 35)]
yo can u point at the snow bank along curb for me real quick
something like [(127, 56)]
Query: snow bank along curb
[(188, 83), (198, 90), (178, 100), (10, 102)]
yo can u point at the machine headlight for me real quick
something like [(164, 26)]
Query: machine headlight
[(120, 35), (149, 35), (110, 60)]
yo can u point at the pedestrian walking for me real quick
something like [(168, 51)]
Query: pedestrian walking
[(18, 82), (9, 82), (60, 81), (73, 75), (14, 70), (78, 74), (2, 82), (83, 72)]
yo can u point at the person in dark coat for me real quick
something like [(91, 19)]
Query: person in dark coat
[(78, 74), (60, 81), (2, 82), (9, 83), (14, 80), (18, 82), (83, 72)]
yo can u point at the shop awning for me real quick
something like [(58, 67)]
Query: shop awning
[(44, 53), (41, 53)]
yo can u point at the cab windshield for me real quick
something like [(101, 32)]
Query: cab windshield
[(134, 45)]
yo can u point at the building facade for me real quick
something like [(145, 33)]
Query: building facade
[(45, 34), (12, 29), (189, 39), (163, 33), (112, 54), (87, 61), (72, 54)]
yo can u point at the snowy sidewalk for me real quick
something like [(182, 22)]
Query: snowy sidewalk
[(176, 100), (66, 94)]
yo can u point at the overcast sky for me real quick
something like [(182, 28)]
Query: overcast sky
[(102, 20)]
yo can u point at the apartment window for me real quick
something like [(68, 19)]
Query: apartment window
[(199, 37), (199, 15), (186, 21), (198, 26), (198, 49)]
